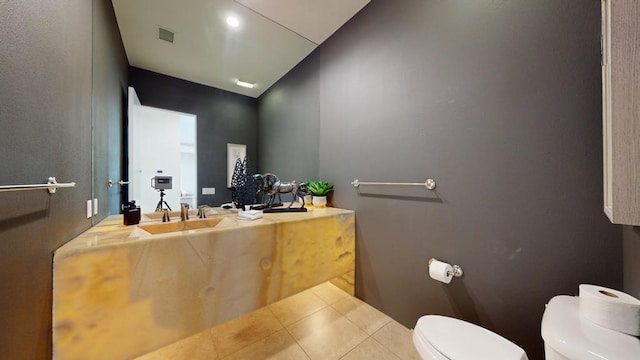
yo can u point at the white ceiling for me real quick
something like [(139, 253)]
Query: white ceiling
[(273, 36)]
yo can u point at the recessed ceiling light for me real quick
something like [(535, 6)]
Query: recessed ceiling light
[(245, 84), (232, 21)]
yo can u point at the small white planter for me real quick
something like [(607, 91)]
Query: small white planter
[(319, 201), (308, 200)]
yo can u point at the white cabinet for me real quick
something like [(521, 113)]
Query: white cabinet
[(621, 109)]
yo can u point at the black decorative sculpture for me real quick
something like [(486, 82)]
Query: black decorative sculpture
[(271, 186), (243, 188), (262, 196)]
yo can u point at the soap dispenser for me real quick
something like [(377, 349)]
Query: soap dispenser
[(131, 213)]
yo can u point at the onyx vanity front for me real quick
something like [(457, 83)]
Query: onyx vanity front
[(119, 292)]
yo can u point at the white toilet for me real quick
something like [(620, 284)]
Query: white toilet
[(567, 336), (439, 337)]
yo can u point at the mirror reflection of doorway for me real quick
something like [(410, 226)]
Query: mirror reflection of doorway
[(161, 142)]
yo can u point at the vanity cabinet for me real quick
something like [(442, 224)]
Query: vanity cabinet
[(123, 291), (621, 109)]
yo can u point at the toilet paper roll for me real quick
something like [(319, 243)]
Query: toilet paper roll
[(610, 308), (440, 271)]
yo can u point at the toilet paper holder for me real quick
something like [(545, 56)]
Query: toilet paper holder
[(457, 270)]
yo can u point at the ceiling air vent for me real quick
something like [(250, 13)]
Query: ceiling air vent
[(165, 34)]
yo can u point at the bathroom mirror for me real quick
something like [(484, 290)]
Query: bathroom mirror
[(204, 50), (193, 63)]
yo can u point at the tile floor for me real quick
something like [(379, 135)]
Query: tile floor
[(320, 323)]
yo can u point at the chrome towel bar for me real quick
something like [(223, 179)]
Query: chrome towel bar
[(430, 184), (51, 186)]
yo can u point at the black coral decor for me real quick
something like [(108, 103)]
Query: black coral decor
[(243, 188)]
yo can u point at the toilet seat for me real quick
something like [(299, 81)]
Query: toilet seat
[(439, 337), (426, 351)]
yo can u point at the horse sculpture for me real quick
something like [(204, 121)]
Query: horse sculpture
[(272, 186)]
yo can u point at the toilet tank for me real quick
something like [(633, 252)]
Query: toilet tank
[(568, 336)]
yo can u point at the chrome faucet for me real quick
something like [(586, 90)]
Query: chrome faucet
[(202, 211), (184, 212), (165, 215)]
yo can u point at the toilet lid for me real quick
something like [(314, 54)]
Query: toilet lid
[(461, 340), (576, 338)]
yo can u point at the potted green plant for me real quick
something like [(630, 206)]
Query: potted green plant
[(319, 190)]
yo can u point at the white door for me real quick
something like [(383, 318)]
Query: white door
[(162, 142)]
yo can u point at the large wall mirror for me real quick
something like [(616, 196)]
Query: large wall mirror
[(273, 37)]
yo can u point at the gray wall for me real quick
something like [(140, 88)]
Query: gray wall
[(289, 125), (631, 246), (499, 102), (223, 117), (45, 113)]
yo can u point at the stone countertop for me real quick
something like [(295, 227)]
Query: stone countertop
[(112, 232)]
